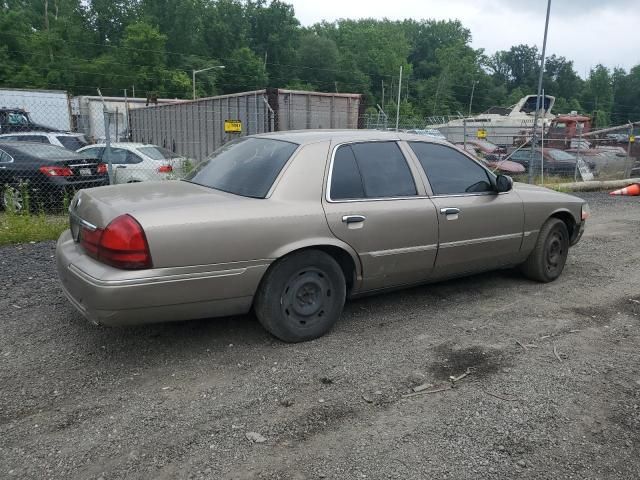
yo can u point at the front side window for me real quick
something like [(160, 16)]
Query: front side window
[(449, 171), (247, 166), (71, 142), (370, 170)]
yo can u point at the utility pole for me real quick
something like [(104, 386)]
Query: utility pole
[(382, 93), (399, 93), (473, 88), (535, 120)]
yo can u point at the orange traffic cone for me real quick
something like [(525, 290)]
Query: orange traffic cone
[(631, 190)]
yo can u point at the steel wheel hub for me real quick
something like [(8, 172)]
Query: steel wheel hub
[(305, 296)]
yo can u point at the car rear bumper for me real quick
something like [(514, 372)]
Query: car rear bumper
[(112, 297)]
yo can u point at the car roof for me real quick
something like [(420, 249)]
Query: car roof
[(59, 134), (120, 145), (313, 136)]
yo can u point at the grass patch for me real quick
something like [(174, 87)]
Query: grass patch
[(22, 228)]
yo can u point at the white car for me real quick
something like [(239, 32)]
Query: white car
[(139, 162), (70, 141)]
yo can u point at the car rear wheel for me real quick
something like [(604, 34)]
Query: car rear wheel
[(301, 296), (547, 260), (12, 199)]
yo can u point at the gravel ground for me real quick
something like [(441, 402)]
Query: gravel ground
[(182, 400)]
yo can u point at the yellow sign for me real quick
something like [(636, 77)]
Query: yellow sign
[(632, 138), (481, 133), (232, 126)]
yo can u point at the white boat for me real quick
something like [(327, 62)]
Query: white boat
[(501, 125)]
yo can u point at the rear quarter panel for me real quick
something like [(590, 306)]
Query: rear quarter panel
[(246, 229), (539, 205)]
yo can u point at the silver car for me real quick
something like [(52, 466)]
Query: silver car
[(291, 224)]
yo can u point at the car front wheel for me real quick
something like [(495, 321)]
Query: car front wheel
[(547, 260), (301, 296)]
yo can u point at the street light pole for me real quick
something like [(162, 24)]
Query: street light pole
[(534, 141), (193, 76), (473, 88)]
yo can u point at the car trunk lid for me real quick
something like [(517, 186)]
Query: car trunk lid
[(148, 202)]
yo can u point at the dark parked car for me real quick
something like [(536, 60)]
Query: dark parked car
[(556, 161), (46, 173), (18, 120)]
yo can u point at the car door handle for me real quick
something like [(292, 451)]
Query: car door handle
[(121, 166), (353, 218), (449, 211)]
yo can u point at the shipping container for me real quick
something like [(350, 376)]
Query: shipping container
[(196, 128), (47, 108)]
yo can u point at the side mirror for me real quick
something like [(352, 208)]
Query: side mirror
[(504, 183)]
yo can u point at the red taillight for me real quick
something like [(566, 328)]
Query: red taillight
[(102, 168), (56, 171), (122, 244), (165, 169)]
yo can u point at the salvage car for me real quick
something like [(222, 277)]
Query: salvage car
[(70, 141), (291, 224), (36, 176), (139, 162), (494, 161)]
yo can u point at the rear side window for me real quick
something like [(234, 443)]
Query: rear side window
[(121, 156), (370, 170), (247, 166), (94, 152), (346, 181), (449, 171)]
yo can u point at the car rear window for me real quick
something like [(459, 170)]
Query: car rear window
[(71, 142), (158, 153), (45, 152), (247, 166)]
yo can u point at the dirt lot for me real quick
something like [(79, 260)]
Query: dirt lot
[(177, 401)]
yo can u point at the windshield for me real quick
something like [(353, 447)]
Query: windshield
[(45, 152), (158, 153), (247, 166), (71, 142), (18, 119), (560, 155)]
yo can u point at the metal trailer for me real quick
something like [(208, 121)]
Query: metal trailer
[(49, 108), (196, 128), (88, 115)]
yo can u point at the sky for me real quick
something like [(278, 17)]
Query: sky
[(585, 31)]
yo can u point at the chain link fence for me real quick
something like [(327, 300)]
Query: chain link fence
[(52, 144)]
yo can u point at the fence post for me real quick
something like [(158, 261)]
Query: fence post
[(107, 135)]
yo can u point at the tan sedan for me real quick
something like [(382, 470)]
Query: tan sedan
[(291, 224)]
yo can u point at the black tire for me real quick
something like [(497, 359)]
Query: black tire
[(301, 296), (547, 260)]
